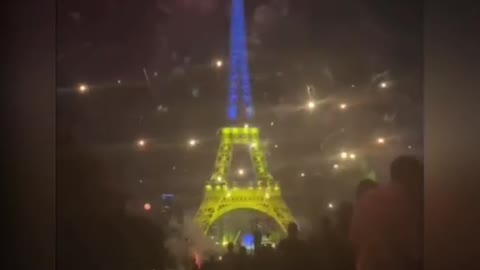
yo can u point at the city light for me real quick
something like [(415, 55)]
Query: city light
[(276, 146), (383, 84), (147, 207), (141, 143), (82, 88), (343, 106), (140, 181), (119, 81), (272, 123), (380, 140), (302, 174), (241, 172), (409, 147), (219, 63), (335, 166), (192, 142), (344, 155), (330, 205), (352, 156), (311, 105)]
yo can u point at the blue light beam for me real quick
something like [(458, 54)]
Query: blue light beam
[(239, 71)]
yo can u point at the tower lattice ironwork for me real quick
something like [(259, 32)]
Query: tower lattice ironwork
[(221, 195)]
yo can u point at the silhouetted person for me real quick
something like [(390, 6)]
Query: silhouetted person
[(210, 264), (243, 261), (364, 186), (292, 250), (387, 223), (342, 255), (230, 258), (343, 217)]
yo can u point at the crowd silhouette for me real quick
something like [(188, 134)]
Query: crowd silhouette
[(382, 229)]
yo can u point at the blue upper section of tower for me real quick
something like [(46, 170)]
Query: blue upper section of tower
[(239, 71)]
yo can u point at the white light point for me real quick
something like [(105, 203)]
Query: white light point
[(141, 143), (192, 142), (253, 145), (302, 174), (409, 147), (343, 106), (344, 155), (272, 123), (335, 166), (147, 206), (353, 156), (219, 63), (82, 88), (219, 178), (241, 172), (119, 81), (380, 140), (383, 85), (330, 205), (276, 146), (311, 105), (245, 125)]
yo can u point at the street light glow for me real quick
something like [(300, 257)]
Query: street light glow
[(344, 155), (311, 105), (241, 172), (343, 106), (353, 156), (335, 166), (147, 207), (383, 84), (192, 142), (219, 63), (141, 142), (82, 88), (330, 205), (302, 174), (380, 140)]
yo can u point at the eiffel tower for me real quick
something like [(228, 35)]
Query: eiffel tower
[(221, 194)]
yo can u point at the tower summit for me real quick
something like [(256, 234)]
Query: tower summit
[(239, 85)]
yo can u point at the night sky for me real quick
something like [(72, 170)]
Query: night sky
[(345, 49)]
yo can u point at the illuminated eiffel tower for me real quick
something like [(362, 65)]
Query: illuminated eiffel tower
[(221, 195)]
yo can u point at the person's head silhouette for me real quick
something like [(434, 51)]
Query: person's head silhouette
[(230, 247), (292, 230), (364, 186)]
